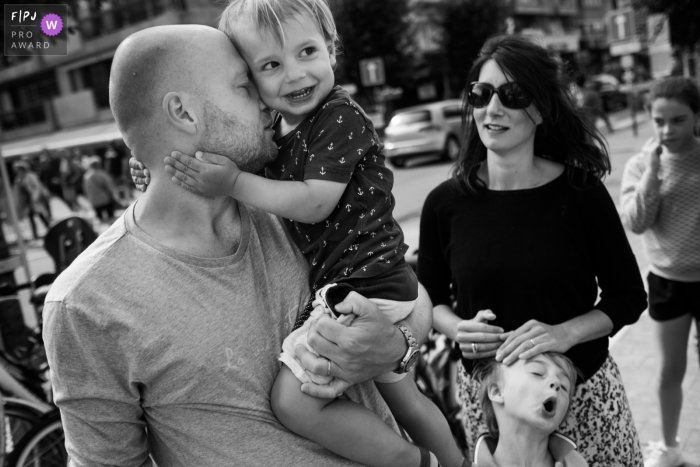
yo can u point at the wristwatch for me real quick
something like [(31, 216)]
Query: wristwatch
[(409, 360)]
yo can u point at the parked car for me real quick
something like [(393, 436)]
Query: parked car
[(610, 93), (426, 129)]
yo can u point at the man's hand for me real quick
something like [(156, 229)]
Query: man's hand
[(370, 346), (139, 174), (207, 174)]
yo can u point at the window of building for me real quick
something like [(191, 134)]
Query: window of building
[(22, 104), (95, 77)]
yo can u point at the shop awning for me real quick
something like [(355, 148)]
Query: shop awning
[(83, 135)]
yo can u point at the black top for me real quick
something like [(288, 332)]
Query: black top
[(360, 238), (531, 254)]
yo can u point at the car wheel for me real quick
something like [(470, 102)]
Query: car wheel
[(452, 147), (398, 161)]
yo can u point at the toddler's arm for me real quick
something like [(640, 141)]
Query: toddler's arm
[(214, 175)]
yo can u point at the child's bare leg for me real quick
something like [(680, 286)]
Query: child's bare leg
[(422, 420), (344, 427)]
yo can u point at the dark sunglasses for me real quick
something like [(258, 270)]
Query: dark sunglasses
[(511, 95)]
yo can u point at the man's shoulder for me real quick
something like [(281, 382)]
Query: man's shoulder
[(84, 267)]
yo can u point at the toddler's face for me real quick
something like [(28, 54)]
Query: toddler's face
[(536, 392), (293, 78), (673, 123)]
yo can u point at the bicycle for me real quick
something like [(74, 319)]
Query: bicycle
[(42, 446)]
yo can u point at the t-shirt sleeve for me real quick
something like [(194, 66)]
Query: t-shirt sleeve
[(622, 294), (340, 139), (100, 410), (433, 269), (639, 196)]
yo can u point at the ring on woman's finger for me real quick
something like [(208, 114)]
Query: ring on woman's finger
[(329, 368), (475, 347), (532, 342)]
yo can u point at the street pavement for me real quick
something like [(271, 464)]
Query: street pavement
[(634, 348)]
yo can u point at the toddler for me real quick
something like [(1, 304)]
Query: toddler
[(523, 405), (331, 186)]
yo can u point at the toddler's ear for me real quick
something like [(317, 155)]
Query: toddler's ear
[(331, 52), (494, 393)]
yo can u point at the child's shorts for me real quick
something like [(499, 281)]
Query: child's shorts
[(330, 294), (669, 299)]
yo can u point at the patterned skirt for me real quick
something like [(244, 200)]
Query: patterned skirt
[(599, 421)]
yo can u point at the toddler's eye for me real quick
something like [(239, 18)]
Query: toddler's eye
[(308, 51), (270, 65)]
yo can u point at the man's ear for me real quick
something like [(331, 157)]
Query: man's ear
[(494, 393), (180, 112)]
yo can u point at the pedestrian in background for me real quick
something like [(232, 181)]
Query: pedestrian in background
[(71, 175), (522, 237), (99, 189), (661, 201), (591, 103), (32, 196)]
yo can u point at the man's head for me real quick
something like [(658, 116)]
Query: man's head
[(185, 87), (536, 392)]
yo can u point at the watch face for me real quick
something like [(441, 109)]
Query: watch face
[(412, 360)]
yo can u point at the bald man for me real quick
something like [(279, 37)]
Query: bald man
[(163, 335)]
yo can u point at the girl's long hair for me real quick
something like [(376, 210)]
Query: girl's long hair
[(565, 134)]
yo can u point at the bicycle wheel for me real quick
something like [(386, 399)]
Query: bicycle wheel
[(19, 419), (42, 446)]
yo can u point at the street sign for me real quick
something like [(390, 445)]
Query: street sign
[(372, 72), (621, 25)]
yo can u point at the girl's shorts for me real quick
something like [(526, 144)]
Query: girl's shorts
[(669, 299)]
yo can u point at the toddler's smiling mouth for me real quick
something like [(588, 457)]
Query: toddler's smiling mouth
[(300, 94)]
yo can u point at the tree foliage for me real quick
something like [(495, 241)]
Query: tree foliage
[(466, 26), (371, 28), (683, 18)]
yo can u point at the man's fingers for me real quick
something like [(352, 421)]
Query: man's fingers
[(211, 158), (335, 389), (311, 362)]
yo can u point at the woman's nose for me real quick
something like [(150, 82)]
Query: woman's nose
[(494, 106)]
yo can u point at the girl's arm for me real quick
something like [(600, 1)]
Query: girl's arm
[(214, 175), (640, 198)]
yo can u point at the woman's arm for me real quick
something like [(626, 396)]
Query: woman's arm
[(535, 337)]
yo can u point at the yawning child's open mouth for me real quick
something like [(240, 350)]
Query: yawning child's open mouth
[(549, 407)]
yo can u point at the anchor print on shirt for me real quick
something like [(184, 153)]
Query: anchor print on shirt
[(323, 171), (342, 160), (350, 135), (303, 146), (340, 119), (298, 134), (371, 190), (330, 146)]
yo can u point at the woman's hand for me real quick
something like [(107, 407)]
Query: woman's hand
[(477, 339), (139, 174), (533, 338)]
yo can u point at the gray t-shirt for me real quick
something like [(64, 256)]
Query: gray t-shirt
[(155, 352)]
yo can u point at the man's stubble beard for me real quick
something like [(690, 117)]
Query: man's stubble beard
[(243, 142)]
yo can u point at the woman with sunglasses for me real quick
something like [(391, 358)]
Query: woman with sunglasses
[(515, 246)]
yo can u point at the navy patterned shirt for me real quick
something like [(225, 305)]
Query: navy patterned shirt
[(360, 239)]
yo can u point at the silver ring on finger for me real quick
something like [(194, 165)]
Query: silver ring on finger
[(329, 368), (475, 347), (532, 342)]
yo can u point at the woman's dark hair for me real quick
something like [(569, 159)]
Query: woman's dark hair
[(565, 134), (682, 89)]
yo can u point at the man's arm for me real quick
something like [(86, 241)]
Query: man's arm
[(370, 346), (100, 408)]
